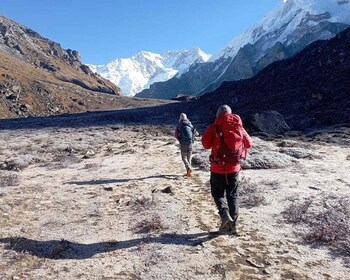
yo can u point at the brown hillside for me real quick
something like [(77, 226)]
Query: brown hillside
[(39, 78)]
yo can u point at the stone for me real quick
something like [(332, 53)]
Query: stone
[(271, 122), (254, 263), (24, 108), (267, 271), (168, 190), (5, 208), (89, 153), (16, 88)]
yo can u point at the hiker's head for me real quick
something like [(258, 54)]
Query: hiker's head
[(183, 117), (223, 109)]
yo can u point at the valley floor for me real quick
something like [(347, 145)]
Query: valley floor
[(112, 203)]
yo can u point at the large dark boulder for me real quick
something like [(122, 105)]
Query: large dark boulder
[(270, 122)]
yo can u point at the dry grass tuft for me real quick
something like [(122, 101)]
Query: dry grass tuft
[(150, 224), (329, 225), (141, 203), (9, 180), (332, 225), (297, 212), (92, 166), (144, 201), (61, 161), (272, 184), (250, 195)]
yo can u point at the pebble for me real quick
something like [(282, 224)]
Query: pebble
[(254, 263), (168, 189), (267, 271), (241, 251), (90, 153), (5, 208)]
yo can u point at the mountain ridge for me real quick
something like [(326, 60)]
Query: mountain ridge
[(298, 27), (29, 46), (39, 78), (310, 89)]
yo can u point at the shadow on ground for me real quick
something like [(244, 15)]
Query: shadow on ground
[(64, 249), (115, 181), (161, 114)]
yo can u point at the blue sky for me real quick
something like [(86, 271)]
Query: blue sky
[(108, 29)]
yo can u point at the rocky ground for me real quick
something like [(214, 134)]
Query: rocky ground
[(111, 202)]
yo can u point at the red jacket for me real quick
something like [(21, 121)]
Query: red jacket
[(209, 137)]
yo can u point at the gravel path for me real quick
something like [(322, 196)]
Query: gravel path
[(112, 203)]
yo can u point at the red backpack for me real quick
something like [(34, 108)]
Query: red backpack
[(228, 146)]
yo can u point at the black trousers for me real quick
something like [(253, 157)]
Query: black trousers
[(224, 189)]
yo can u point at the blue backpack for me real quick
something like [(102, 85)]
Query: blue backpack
[(186, 135)]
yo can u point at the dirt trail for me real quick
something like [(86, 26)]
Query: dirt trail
[(112, 203)]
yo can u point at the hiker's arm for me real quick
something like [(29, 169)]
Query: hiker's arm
[(176, 134), (208, 137), (248, 143)]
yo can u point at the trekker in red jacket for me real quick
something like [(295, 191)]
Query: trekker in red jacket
[(224, 179)]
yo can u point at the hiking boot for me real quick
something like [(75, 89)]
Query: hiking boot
[(226, 223), (189, 172), (233, 230)]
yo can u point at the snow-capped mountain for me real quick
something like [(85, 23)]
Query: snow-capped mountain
[(141, 70), (282, 33), (289, 22)]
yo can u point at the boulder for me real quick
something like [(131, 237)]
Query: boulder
[(270, 122)]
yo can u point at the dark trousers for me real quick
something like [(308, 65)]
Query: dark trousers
[(224, 189)]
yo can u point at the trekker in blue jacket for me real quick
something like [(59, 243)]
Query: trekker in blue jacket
[(185, 133)]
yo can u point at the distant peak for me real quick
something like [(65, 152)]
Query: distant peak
[(144, 68), (145, 55)]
